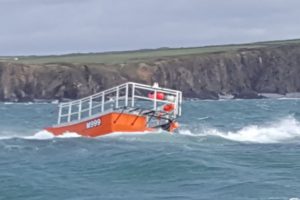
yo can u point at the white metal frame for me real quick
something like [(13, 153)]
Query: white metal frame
[(128, 93)]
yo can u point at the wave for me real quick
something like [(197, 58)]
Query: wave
[(118, 134), (41, 135), (285, 130), (31, 102), (45, 135)]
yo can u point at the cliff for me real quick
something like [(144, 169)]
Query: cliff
[(242, 72)]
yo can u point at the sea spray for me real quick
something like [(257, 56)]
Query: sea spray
[(41, 135), (285, 130), (45, 135)]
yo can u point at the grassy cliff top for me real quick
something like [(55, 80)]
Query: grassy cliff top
[(139, 55)]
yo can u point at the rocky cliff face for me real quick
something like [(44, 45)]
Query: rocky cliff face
[(243, 73)]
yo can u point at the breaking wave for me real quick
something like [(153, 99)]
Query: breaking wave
[(41, 135), (286, 130), (45, 135), (283, 131)]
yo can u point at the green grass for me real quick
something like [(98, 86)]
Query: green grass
[(139, 55), (279, 42)]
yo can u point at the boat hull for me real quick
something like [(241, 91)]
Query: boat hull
[(102, 125)]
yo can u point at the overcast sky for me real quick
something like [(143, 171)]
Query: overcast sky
[(71, 26)]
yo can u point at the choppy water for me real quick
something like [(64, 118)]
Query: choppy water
[(236, 149)]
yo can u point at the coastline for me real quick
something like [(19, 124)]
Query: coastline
[(269, 71)]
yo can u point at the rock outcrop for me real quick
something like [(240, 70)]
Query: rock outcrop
[(242, 73)]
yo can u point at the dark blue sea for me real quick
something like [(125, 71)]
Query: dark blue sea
[(229, 150)]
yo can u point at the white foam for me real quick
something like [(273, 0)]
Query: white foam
[(45, 135), (203, 118), (286, 130), (118, 134), (8, 103), (42, 135), (69, 135), (187, 132), (6, 137)]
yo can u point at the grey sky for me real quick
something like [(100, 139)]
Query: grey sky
[(70, 26)]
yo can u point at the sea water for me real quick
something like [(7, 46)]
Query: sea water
[(232, 149)]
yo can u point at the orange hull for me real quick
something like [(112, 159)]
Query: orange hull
[(109, 123)]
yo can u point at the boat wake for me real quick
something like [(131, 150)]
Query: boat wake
[(285, 130)]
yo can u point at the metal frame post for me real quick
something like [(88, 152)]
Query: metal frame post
[(117, 97), (176, 104), (59, 114), (102, 104), (79, 110), (154, 101), (180, 103), (69, 112), (91, 106), (132, 95), (126, 95)]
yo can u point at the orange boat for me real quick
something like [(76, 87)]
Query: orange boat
[(130, 107)]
